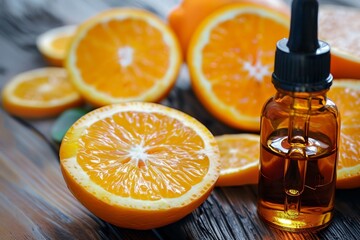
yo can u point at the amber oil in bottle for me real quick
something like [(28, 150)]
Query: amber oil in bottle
[(299, 131)]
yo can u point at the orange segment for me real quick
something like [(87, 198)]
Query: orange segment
[(139, 165), (239, 154), (124, 55), (231, 58), (346, 95), (40, 93), (53, 44), (339, 26)]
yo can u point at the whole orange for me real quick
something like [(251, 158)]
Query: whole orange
[(185, 18)]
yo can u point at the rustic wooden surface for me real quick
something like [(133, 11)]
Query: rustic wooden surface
[(34, 201)]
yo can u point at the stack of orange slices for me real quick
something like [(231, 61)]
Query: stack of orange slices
[(119, 55)]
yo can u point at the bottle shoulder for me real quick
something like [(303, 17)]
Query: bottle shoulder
[(287, 106)]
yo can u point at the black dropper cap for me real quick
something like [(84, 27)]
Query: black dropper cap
[(302, 62)]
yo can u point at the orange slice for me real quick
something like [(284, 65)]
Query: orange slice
[(53, 44), (230, 59), (346, 95), (124, 55), (186, 17), (239, 154), (139, 165), (39, 93), (339, 26)]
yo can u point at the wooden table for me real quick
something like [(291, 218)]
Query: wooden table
[(34, 201)]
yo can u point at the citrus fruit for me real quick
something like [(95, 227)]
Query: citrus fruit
[(230, 61), (239, 154), (339, 26), (139, 165), (53, 44), (43, 92), (346, 95), (186, 17), (123, 55)]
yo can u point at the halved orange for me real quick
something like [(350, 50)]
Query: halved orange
[(124, 55), (39, 93), (231, 58), (339, 26), (53, 44), (186, 17), (139, 165), (239, 154), (346, 95)]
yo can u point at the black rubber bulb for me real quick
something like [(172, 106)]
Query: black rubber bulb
[(303, 29)]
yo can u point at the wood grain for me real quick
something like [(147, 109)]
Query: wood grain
[(34, 200)]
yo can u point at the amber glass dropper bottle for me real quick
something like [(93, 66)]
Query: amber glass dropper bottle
[(299, 130)]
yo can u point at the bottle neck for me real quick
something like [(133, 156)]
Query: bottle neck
[(302, 100)]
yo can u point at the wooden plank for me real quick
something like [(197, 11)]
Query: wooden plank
[(230, 213), (34, 201)]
